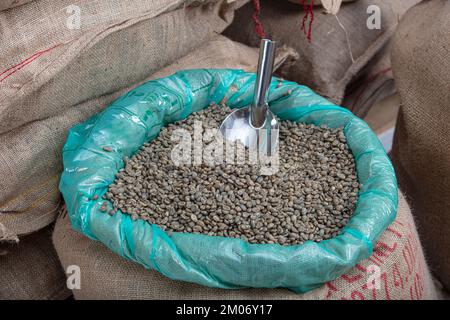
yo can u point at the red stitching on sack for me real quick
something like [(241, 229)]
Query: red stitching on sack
[(258, 25), (33, 56), (25, 62), (15, 70), (309, 11)]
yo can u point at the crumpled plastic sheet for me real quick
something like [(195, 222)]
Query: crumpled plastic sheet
[(138, 116)]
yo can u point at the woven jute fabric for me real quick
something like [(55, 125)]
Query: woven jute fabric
[(421, 150), (335, 57), (94, 49), (375, 83), (396, 270), (33, 153), (52, 77), (31, 269), (8, 4)]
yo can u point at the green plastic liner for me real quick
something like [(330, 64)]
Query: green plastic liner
[(138, 116)]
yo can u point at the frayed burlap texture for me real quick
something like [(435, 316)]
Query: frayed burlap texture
[(334, 57), (53, 77), (397, 265), (421, 150), (31, 270)]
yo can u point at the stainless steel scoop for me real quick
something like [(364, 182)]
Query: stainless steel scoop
[(256, 126)]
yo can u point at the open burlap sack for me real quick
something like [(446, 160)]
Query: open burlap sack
[(31, 269), (421, 151), (33, 152), (335, 56), (62, 76), (398, 257)]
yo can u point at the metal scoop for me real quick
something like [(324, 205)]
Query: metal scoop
[(256, 126)]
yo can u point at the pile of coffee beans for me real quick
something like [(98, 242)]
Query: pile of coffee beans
[(311, 196)]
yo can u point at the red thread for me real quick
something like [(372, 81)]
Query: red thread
[(259, 29), (305, 16), (25, 62), (309, 11), (22, 62)]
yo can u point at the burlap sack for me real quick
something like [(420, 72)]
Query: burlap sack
[(334, 57), (374, 83), (8, 4), (398, 257), (421, 151), (73, 74), (115, 45), (31, 269), (34, 150)]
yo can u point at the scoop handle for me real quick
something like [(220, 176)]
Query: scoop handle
[(258, 108)]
